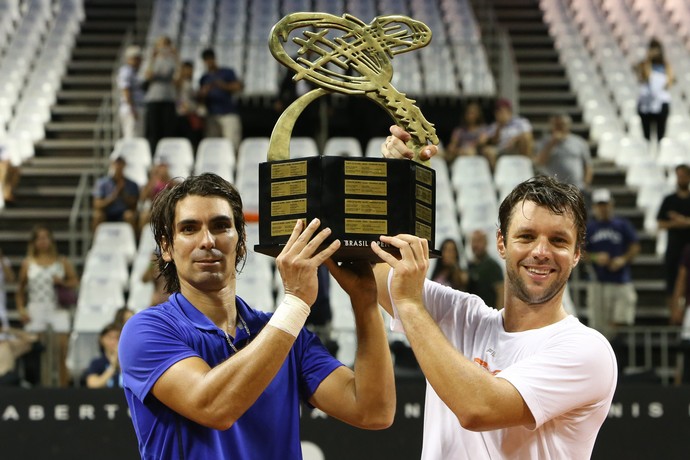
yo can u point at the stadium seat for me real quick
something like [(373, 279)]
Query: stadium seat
[(343, 146), (178, 153), (216, 155), (116, 236)]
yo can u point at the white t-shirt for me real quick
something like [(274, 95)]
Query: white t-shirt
[(565, 372)]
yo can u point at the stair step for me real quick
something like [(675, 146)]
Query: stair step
[(26, 218), (92, 38), (97, 53), (97, 67)]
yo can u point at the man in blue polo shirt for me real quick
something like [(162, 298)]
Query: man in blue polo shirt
[(217, 89), (611, 245), (207, 376)]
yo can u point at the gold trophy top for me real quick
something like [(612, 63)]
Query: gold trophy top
[(357, 62)]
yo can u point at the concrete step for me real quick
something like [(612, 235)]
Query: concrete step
[(97, 53), (93, 38), (74, 112), (14, 242), (91, 67), (40, 196), (26, 218)]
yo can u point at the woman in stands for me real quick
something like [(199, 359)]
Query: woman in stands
[(655, 76), (447, 270), (41, 272), (465, 138)]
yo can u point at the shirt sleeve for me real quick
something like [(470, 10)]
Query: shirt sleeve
[(149, 345), (572, 371), (315, 361), (123, 79)]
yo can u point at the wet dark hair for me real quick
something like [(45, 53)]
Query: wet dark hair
[(208, 53), (163, 217), (558, 197)]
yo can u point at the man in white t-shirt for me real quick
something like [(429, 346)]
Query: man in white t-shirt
[(525, 382)]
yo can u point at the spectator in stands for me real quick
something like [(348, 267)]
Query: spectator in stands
[(159, 179), (507, 135), (190, 123), (528, 381), (205, 361), (7, 275), (447, 270), (36, 298), (465, 138), (655, 76), (674, 216), (159, 78), (131, 94), (14, 343), (122, 315), (485, 273), (9, 176), (611, 246), (217, 90), (104, 371), (115, 197), (565, 155)]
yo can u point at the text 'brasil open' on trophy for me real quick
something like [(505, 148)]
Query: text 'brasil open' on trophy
[(358, 198)]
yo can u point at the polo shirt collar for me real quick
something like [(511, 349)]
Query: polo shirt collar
[(201, 321)]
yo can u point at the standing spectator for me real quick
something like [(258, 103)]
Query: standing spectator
[(507, 135), (6, 276), (115, 197), (674, 216), (565, 155), (41, 271), (486, 275), (655, 76), (217, 90), (464, 139), (190, 123), (131, 94), (104, 371), (611, 245), (447, 270), (161, 114)]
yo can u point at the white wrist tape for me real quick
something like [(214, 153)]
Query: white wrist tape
[(290, 315)]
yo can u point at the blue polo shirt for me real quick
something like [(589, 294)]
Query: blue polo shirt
[(158, 337)]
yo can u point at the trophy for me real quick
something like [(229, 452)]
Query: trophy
[(358, 198)]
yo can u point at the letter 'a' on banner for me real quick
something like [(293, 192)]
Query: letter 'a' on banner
[(358, 198)]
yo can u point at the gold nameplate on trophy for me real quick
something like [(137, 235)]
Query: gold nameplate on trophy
[(358, 198)]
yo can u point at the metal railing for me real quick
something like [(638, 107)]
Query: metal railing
[(651, 349), (79, 219)]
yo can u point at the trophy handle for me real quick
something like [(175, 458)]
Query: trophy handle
[(279, 145)]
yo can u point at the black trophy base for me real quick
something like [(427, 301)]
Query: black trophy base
[(344, 253)]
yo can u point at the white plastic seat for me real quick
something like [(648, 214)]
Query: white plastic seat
[(672, 153), (642, 171), (478, 216), (98, 300), (255, 279), (216, 155), (116, 237), (252, 151), (469, 170), (631, 148), (511, 170), (343, 146), (373, 149), (106, 264), (479, 193), (178, 153), (303, 147), (135, 151)]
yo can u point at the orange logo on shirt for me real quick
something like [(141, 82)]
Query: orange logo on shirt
[(485, 365)]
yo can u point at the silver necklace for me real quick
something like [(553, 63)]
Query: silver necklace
[(243, 325)]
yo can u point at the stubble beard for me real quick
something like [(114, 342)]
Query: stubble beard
[(517, 287)]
